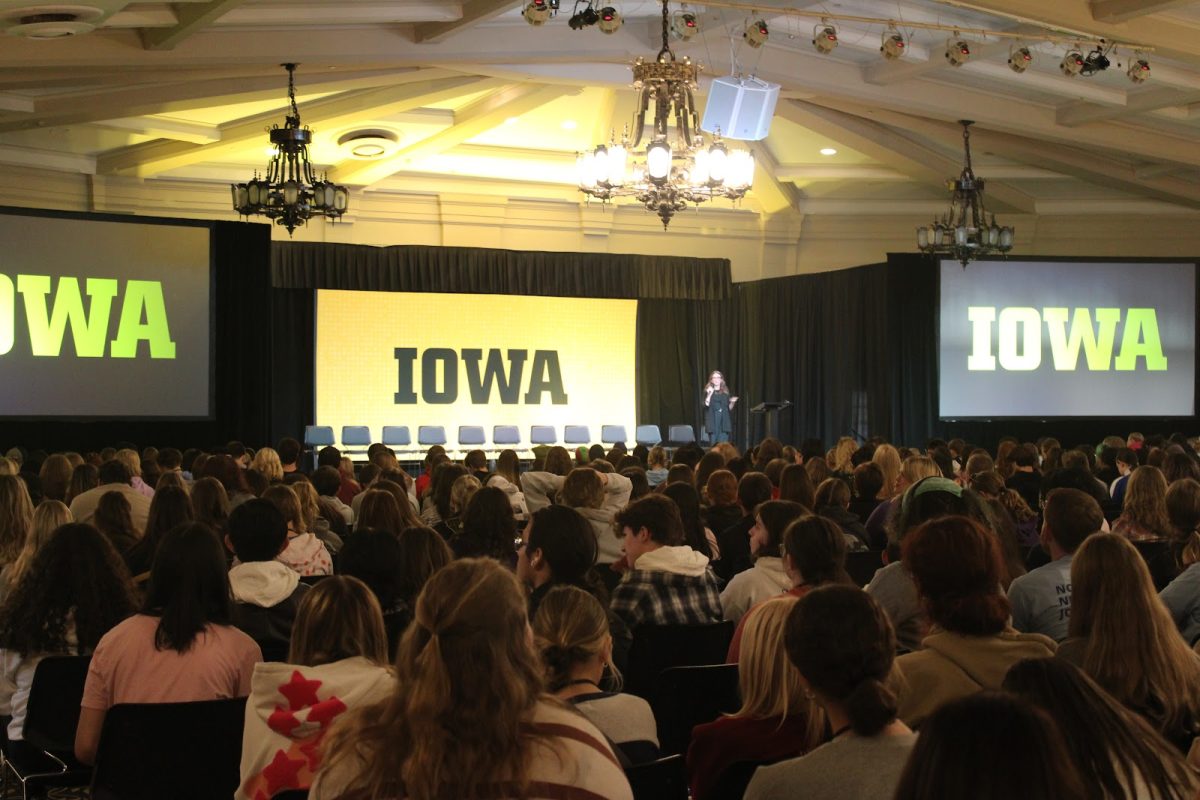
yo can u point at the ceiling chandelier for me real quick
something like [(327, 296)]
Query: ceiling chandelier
[(289, 193), (965, 232), (675, 169)]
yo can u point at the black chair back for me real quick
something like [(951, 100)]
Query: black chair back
[(736, 777), (659, 647), (664, 779), (184, 751), (862, 565), (52, 714), (291, 794), (691, 696)]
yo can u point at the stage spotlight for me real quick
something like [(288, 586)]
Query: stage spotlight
[(610, 20), (684, 25), (958, 52), (756, 33), (1095, 61), (893, 45), (1139, 70), (1020, 59), (538, 12), (1072, 63), (825, 38), (583, 18)]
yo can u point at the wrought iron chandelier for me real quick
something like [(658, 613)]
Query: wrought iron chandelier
[(674, 170), (289, 192), (965, 232)]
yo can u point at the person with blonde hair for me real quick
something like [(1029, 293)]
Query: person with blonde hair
[(468, 713), (305, 553), (48, 517), (16, 517), (777, 719), (266, 461), (912, 470), (8, 466), (570, 630), (1123, 636), (656, 465), (339, 651), (888, 459), (841, 459), (310, 508), (130, 458), (1145, 521)]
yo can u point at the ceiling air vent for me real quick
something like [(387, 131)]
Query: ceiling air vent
[(50, 22)]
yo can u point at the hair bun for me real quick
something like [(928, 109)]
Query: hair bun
[(871, 707)]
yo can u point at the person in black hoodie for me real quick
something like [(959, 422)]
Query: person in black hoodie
[(267, 592), (833, 503), (734, 542)]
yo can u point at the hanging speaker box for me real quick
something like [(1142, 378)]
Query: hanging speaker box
[(740, 108)]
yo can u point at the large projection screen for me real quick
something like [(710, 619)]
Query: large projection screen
[(101, 318), (1060, 339), (396, 358)]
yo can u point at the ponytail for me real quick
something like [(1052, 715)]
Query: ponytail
[(1190, 554), (871, 707)]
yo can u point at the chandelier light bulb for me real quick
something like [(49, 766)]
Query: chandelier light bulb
[(658, 161), (717, 158)]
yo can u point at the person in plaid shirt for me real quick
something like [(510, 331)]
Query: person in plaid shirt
[(668, 583)]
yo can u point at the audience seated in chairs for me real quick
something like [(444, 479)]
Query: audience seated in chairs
[(489, 528), (1182, 596), (16, 517), (468, 709), (305, 553), (570, 630), (170, 507), (48, 517), (767, 578), (753, 490), (338, 661), (182, 646), (597, 496), (73, 592), (777, 719)]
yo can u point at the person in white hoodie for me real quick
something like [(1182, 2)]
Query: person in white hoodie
[(338, 661), (594, 494), (668, 583), (767, 578), (267, 592), (305, 553)]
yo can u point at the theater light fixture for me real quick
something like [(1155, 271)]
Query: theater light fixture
[(583, 17), (1095, 61), (610, 20), (1072, 63), (958, 52), (1139, 70), (825, 38), (289, 193), (757, 33), (676, 168), (1020, 59), (893, 45), (538, 12), (684, 25), (965, 232)]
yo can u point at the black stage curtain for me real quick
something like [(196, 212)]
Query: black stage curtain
[(241, 353)]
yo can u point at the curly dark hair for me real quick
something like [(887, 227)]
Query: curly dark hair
[(76, 577)]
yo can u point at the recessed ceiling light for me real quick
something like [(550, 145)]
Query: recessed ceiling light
[(369, 143), (569, 124), (828, 151)]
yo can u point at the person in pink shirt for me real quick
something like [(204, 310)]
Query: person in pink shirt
[(180, 648)]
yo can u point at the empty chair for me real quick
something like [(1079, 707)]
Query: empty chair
[(316, 437), (471, 436), (429, 435), (679, 435), (355, 439), (611, 434), (576, 434), (185, 751), (46, 756), (397, 436), (647, 435), (506, 436), (542, 434), (689, 696), (659, 647), (664, 779)]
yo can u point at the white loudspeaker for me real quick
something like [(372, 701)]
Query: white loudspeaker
[(740, 108)]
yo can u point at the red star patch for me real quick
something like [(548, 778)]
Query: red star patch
[(282, 721), (282, 772), (300, 692), (323, 712), (312, 751)]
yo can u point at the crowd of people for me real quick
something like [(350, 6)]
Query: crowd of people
[(1026, 629)]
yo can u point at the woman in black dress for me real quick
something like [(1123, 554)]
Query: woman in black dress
[(719, 403)]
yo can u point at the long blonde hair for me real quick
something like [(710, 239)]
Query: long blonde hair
[(770, 684), (569, 628), (888, 459), (16, 515), (841, 455), (339, 618), (468, 684), (49, 516), (267, 462), (1146, 501), (1133, 648)]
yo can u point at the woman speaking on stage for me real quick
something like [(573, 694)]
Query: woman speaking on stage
[(718, 404)]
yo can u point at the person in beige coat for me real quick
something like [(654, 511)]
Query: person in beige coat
[(956, 565)]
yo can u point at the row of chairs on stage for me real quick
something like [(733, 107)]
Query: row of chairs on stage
[(189, 751), (355, 439)]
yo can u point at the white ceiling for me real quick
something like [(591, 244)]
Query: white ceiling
[(478, 97)]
